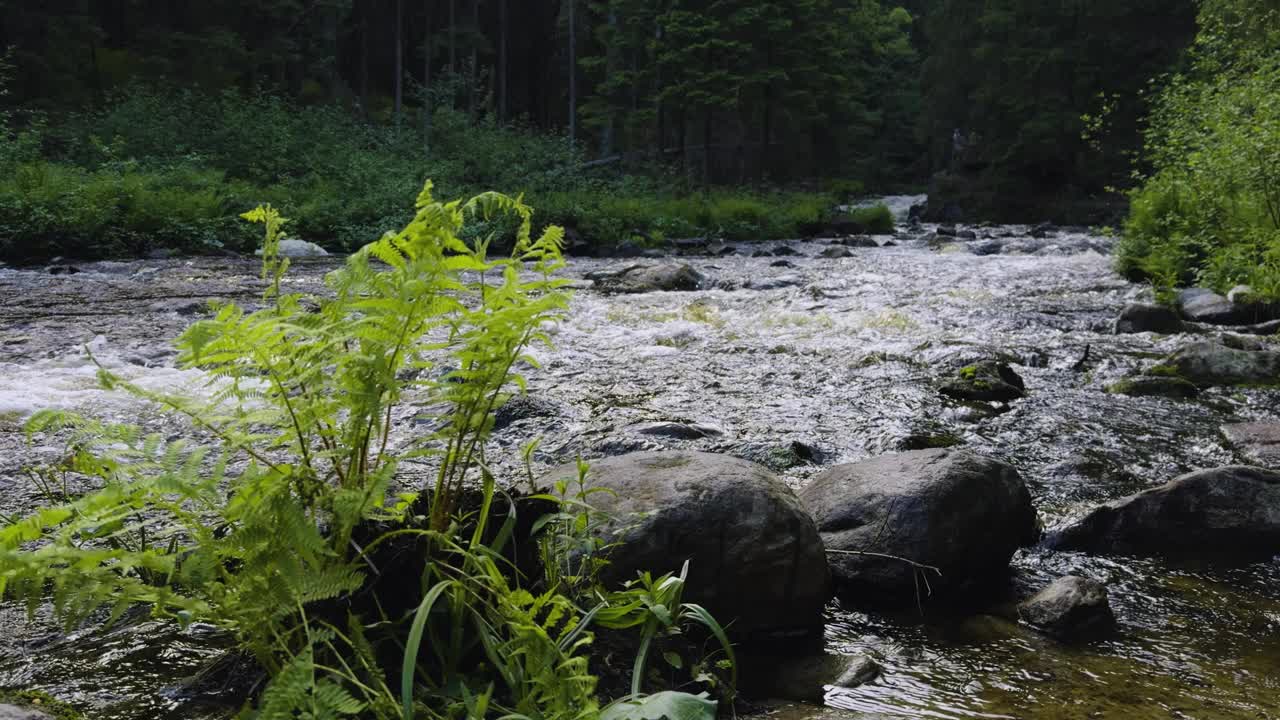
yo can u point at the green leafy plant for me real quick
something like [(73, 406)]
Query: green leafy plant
[(1209, 214), (277, 520)]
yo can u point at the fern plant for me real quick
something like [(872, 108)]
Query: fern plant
[(268, 524)]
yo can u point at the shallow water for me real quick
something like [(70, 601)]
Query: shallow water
[(839, 362)]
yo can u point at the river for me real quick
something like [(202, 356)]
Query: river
[(834, 360)]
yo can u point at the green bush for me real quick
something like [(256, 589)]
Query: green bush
[(877, 219), (608, 217), (48, 209), (1209, 214)]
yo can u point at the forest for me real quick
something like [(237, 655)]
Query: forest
[(622, 360), (609, 116)]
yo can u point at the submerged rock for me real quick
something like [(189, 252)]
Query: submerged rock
[(1258, 442), (1071, 607), (524, 407), (807, 677), (1142, 317), (1207, 364), (677, 430), (953, 510), (862, 241), (774, 283), (985, 381), (650, 278), (755, 557), (1170, 387), (1230, 512), (779, 456), (835, 252)]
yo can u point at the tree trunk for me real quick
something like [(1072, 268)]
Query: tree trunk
[(766, 124), (399, 85), (331, 21), (453, 36), (364, 62), (659, 110), (683, 128), (706, 150), (502, 61), (611, 67), (573, 76), (475, 61), (428, 103)]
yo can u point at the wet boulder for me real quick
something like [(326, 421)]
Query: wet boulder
[(524, 407), (776, 282), (13, 712), (1071, 607), (1257, 442), (1143, 317), (805, 678), (295, 248), (1205, 306), (755, 557), (986, 247), (676, 430), (985, 381), (1169, 387), (1232, 512), (835, 252), (943, 519), (1207, 364), (1043, 230), (862, 241), (649, 278)]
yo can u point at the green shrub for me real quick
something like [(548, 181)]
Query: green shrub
[(48, 209), (1209, 214), (877, 219)]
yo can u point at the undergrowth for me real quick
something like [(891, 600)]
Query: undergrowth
[(170, 169), (285, 518)]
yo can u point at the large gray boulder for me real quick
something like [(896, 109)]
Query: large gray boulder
[(13, 712), (1208, 364), (294, 248), (1142, 317), (649, 278), (1257, 442), (1206, 306), (953, 510), (1071, 607), (1231, 512), (755, 557)]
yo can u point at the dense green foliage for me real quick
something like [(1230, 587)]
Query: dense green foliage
[(170, 170), (1046, 97), (1017, 110), (1209, 213), (287, 516)]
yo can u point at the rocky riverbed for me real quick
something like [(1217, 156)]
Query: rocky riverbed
[(797, 356)]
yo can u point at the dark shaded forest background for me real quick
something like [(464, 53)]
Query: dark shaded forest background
[(1003, 110)]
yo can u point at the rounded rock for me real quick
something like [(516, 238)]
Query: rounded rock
[(1071, 607), (755, 557), (943, 519)]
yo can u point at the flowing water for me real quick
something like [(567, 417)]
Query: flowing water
[(832, 360)]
